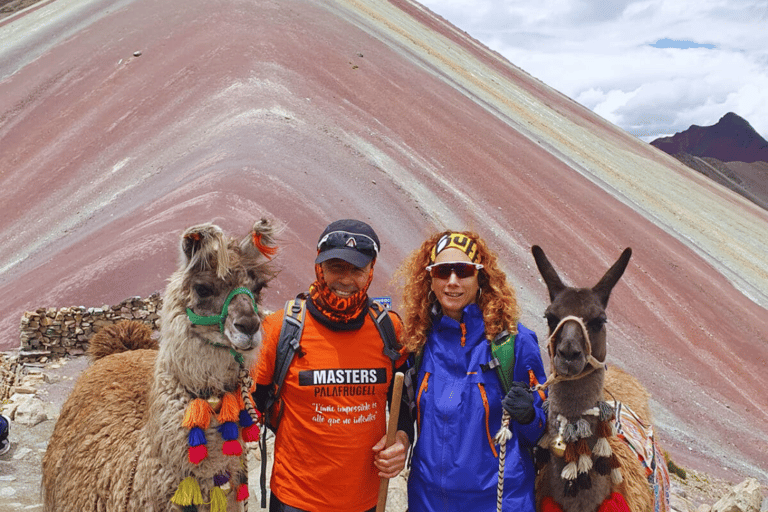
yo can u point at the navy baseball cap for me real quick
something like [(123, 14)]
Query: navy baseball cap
[(350, 240)]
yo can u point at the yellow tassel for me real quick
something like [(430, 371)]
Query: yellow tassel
[(230, 408), (198, 414), (218, 500), (188, 493)]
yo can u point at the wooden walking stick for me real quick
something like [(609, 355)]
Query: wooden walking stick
[(394, 413)]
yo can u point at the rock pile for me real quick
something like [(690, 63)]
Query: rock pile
[(52, 333)]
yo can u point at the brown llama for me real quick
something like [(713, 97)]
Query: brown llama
[(585, 467), (157, 429)]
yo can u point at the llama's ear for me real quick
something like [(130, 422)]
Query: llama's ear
[(548, 273), (612, 276), (203, 246), (261, 238)]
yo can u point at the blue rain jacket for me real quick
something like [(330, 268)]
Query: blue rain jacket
[(454, 466)]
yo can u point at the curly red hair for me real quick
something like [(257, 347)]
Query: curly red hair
[(497, 300)]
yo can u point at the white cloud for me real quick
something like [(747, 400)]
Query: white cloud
[(600, 54)]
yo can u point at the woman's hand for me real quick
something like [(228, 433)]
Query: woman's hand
[(519, 403)]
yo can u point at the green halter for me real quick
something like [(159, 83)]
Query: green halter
[(219, 319)]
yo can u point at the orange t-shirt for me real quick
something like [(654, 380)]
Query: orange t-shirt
[(334, 400)]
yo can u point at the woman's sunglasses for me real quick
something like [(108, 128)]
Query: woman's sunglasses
[(462, 269)]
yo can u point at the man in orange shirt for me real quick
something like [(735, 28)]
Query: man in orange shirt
[(330, 445)]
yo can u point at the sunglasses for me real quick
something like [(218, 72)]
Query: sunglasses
[(462, 269), (339, 239)]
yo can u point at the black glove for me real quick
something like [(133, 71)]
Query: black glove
[(519, 403)]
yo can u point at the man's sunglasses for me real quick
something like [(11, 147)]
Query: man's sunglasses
[(462, 269), (339, 239)]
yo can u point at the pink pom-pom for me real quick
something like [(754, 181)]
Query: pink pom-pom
[(232, 447), (242, 492), (197, 453), (251, 434)]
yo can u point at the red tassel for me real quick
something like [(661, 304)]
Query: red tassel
[(549, 505), (242, 492), (197, 453), (232, 447), (614, 503), (251, 433)]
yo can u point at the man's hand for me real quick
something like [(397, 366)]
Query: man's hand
[(391, 461)]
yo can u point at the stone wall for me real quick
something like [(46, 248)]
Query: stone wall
[(52, 333)]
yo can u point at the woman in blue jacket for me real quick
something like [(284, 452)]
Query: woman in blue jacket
[(456, 303)]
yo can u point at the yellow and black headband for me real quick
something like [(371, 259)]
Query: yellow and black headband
[(458, 241)]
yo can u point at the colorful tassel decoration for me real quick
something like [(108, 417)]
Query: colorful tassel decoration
[(230, 408), (616, 477), (232, 447), (550, 505), (602, 448), (602, 465), (245, 419), (196, 436), (251, 434), (221, 479), (614, 503), (228, 430), (198, 414), (218, 500), (242, 492), (188, 493), (197, 453), (584, 482), (570, 471)]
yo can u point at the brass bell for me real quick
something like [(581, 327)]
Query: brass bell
[(557, 446)]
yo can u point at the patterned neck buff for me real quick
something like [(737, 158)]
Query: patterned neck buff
[(458, 241), (339, 310)]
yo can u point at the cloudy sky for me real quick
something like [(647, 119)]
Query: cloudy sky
[(651, 67)]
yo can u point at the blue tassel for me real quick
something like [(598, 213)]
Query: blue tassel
[(196, 436), (229, 431), (245, 419)]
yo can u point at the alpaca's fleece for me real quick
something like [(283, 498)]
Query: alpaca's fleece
[(623, 387), (119, 443), (104, 417)]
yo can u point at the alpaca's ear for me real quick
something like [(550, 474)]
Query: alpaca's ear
[(548, 273), (203, 247), (612, 276), (262, 239)]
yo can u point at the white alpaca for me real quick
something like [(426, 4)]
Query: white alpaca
[(156, 430)]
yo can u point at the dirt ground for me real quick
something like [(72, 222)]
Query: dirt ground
[(20, 469)]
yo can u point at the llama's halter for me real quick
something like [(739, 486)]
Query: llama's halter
[(554, 376), (220, 319)]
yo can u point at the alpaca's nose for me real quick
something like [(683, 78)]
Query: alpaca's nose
[(248, 325), (568, 351)]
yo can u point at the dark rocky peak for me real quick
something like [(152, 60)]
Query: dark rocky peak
[(732, 139)]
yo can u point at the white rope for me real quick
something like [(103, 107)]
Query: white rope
[(502, 436)]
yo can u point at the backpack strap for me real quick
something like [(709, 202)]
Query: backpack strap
[(383, 322), (503, 352), (288, 344)]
